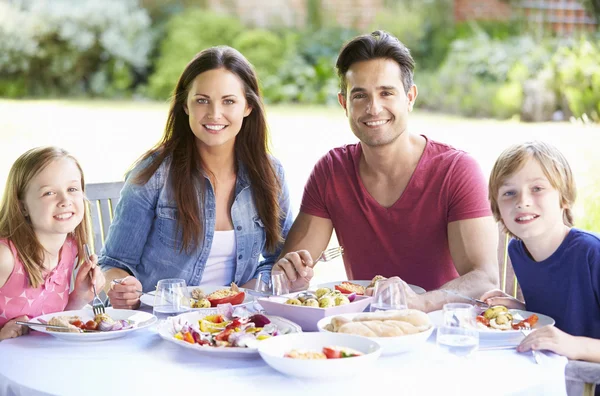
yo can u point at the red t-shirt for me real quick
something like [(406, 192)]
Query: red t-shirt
[(410, 238)]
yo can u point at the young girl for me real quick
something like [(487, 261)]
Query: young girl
[(532, 192), (42, 231), (207, 204)]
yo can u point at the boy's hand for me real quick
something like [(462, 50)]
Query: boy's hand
[(551, 339), (498, 297), (13, 330)]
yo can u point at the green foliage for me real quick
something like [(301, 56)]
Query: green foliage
[(578, 77), (186, 35), (265, 50)]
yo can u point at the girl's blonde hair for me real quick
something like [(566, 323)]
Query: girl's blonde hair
[(13, 223), (555, 168)]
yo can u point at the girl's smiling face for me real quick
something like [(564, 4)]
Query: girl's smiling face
[(529, 205), (53, 200)]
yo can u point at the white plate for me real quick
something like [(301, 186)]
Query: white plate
[(389, 345), (273, 349), (365, 283), (148, 298), (503, 337), (142, 320), (167, 331)]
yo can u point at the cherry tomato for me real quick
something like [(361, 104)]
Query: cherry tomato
[(90, 325), (483, 320), (77, 323)]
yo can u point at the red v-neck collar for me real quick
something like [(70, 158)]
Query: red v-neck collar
[(356, 158)]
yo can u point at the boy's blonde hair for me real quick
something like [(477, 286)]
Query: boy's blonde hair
[(553, 164), (13, 223)]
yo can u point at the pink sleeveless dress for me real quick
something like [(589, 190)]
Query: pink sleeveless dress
[(18, 298)]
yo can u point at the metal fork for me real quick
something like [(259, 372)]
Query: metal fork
[(330, 254), (97, 305)]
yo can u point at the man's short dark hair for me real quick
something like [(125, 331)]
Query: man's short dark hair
[(378, 44)]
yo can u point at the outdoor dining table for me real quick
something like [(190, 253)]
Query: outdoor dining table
[(142, 363)]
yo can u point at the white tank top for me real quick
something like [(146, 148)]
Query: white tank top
[(220, 265)]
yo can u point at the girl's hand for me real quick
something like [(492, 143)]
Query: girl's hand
[(551, 339), (83, 292), (13, 330), (498, 297), (124, 294)]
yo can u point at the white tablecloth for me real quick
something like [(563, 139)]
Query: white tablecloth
[(143, 363)]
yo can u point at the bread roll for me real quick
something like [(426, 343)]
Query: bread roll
[(338, 321), (415, 317), (378, 328)]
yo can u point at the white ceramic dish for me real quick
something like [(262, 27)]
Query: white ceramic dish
[(307, 317), (273, 349), (142, 320), (365, 283), (389, 345), (148, 298), (499, 337), (166, 330)]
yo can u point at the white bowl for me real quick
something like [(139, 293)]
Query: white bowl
[(307, 317), (389, 345), (273, 349)]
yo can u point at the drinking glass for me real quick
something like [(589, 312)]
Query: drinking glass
[(263, 286), (388, 295), (280, 284), (458, 335), (171, 298)]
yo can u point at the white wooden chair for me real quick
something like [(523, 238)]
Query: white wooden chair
[(103, 199)]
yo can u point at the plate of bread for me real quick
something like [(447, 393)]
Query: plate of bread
[(396, 331)]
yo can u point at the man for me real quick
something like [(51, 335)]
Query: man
[(401, 204)]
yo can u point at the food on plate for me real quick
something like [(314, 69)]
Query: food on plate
[(382, 324), (375, 279), (101, 322), (349, 288), (499, 318), (311, 302), (231, 295), (322, 298), (225, 330), (331, 352)]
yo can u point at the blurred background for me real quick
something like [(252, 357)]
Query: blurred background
[(95, 76)]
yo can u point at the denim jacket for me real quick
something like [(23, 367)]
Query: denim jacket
[(142, 239)]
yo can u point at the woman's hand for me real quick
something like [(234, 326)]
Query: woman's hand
[(124, 294), (83, 292), (498, 297), (551, 339), (298, 267), (12, 330)]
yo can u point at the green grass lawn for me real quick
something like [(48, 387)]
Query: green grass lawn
[(108, 136)]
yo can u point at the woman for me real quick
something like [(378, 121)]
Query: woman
[(208, 199)]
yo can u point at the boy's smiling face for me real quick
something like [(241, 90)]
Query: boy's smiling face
[(529, 204)]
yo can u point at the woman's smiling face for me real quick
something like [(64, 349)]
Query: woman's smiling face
[(216, 106)]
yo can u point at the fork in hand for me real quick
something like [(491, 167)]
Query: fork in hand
[(97, 305), (330, 254), (536, 354)]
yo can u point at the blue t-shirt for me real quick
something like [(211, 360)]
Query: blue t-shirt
[(565, 286)]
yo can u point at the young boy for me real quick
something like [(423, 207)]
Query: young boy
[(532, 191)]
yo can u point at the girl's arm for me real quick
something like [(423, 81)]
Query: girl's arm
[(82, 292), (13, 330)]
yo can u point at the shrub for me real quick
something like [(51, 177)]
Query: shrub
[(59, 47), (186, 35), (265, 50)]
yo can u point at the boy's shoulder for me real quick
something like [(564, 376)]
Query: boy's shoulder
[(584, 239)]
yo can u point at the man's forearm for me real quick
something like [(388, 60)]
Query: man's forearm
[(472, 284)]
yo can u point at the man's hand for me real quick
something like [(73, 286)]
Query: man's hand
[(298, 267)]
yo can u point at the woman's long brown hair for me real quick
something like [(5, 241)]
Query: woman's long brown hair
[(17, 228), (251, 149)]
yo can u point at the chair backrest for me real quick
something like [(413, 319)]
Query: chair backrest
[(103, 199), (508, 280)]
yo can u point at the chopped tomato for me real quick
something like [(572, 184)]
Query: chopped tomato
[(233, 300), (216, 318), (234, 323), (77, 323), (224, 335), (349, 288), (339, 352), (483, 320), (90, 325), (526, 323)]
